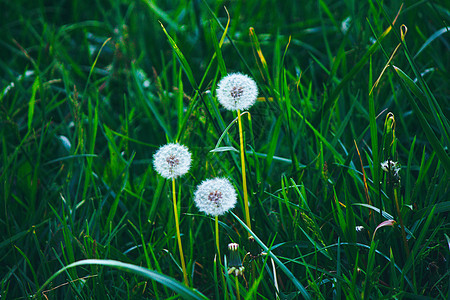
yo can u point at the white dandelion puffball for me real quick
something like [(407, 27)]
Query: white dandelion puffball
[(215, 196), (237, 91), (172, 160)]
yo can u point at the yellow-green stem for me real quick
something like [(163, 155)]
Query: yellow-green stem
[(405, 242), (220, 258), (238, 295), (217, 239), (177, 225), (244, 179)]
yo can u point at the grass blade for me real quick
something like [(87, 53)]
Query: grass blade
[(178, 287), (443, 156), (286, 271)]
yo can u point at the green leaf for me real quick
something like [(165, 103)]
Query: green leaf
[(32, 102)]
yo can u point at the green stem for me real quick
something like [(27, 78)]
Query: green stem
[(238, 295), (217, 238), (405, 242), (177, 225), (244, 183), (244, 179), (220, 257)]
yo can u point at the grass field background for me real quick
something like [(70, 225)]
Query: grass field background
[(89, 90)]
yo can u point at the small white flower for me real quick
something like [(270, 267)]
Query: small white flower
[(172, 160), (359, 228), (237, 91), (215, 196), (390, 166)]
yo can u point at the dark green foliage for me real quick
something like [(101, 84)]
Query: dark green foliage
[(90, 89)]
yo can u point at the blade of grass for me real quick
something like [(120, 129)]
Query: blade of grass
[(405, 82), (434, 36), (178, 287), (286, 271), (432, 103), (186, 68), (148, 103), (358, 67)]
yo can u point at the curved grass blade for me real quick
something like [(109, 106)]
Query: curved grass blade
[(431, 38), (225, 132), (224, 149), (178, 287), (384, 224), (384, 214)]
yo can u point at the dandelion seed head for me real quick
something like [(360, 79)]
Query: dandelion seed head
[(172, 160), (215, 196), (234, 260), (233, 246), (237, 91)]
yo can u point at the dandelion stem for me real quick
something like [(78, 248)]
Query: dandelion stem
[(244, 179), (238, 295), (177, 225), (220, 258), (217, 239)]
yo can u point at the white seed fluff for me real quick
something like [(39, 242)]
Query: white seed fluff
[(391, 166), (215, 196), (172, 160), (237, 91)]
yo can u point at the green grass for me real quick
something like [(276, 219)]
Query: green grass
[(89, 90)]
